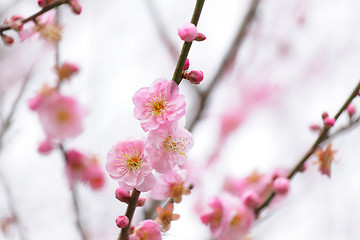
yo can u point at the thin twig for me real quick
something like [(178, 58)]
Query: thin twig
[(228, 60), (321, 138), (75, 200), (187, 45), (161, 30), (5, 27), (124, 234), (4, 128)]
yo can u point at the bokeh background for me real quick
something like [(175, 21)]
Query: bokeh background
[(300, 58)]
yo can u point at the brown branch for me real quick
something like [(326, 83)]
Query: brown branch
[(229, 58), (321, 138), (124, 234), (5, 27)]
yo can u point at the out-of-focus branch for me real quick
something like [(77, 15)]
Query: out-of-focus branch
[(5, 27), (75, 200), (5, 126), (124, 234), (161, 30), (321, 138), (228, 60), (187, 45)]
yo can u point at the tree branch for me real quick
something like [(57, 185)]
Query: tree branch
[(321, 138)]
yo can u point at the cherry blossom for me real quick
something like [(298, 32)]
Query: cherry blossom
[(159, 104), (147, 230), (128, 163)]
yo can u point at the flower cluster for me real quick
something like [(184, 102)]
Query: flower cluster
[(158, 108), (232, 213)]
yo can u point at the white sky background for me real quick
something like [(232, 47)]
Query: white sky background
[(118, 49)]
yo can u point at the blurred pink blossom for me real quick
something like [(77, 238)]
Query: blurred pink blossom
[(147, 230)]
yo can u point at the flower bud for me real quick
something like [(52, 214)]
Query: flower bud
[(324, 115), (200, 37), (281, 185), (351, 110), (188, 32), (122, 221), (195, 77), (315, 127), (75, 6), (16, 23), (329, 122), (45, 146), (7, 39), (141, 202), (122, 195), (187, 64), (251, 199)]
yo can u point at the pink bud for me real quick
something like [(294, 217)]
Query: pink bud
[(122, 195), (187, 64), (195, 77), (200, 37), (188, 32), (75, 6), (324, 115), (42, 3), (351, 110), (34, 102), (281, 185), (7, 39), (315, 127), (45, 146), (122, 221), (141, 202), (329, 122), (251, 199)]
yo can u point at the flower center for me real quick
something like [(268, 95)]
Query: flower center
[(236, 220), (132, 162), (63, 116), (156, 105), (176, 144)]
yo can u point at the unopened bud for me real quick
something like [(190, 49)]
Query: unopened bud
[(187, 64), (188, 32), (122, 195), (281, 185), (16, 23), (122, 221), (45, 146), (7, 39), (200, 37), (195, 77), (324, 115), (350, 110), (315, 127), (75, 6), (141, 202), (251, 199), (329, 122)]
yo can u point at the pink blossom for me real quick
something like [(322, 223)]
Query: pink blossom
[(231, 120), (147, 230), (80, 167), (159, 104), (228, 218), (171, 185), (188, 32), (167, 147), (60, 116), (128, 164)]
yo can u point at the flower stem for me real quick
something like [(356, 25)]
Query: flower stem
[(321, 138), (187, 45), (124, 234)]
